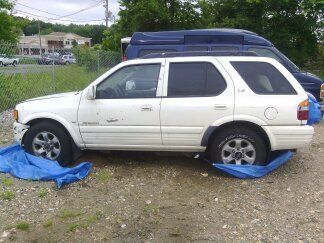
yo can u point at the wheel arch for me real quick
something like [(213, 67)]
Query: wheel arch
[(212, 132), (67, 128)]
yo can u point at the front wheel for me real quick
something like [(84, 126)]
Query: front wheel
[(14, 64), (238, 146), (49, 141)]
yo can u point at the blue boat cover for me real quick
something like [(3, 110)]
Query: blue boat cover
[(315, 114), (253, 171), (15, 161)]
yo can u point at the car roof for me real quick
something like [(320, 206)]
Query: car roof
[(139, 61), (199, 36)]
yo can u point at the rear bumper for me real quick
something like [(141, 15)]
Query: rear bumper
[(289, 137)]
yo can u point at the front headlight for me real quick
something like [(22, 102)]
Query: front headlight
[(15, 115)]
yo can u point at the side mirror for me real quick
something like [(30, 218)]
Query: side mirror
[(91, 95)]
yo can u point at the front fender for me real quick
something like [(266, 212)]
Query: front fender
[(71, 127)]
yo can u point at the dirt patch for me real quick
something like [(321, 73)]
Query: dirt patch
[(167, 197)]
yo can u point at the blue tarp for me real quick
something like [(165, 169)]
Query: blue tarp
[(15, 161), (315, 114), (253, 171)]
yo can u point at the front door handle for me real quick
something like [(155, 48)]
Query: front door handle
[(220, 107), (146, 108)]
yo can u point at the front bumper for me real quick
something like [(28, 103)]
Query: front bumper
[(289, 137), (19, 132)]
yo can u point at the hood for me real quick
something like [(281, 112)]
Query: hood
[(54, 96)]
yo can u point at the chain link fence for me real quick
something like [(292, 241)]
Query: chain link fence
[(28, 72)]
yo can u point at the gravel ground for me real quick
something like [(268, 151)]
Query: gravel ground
[(167, 197)]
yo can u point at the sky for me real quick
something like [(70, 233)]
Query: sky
[(53, 10)]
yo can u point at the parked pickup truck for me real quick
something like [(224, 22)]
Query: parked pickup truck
[(236, 108), (6, 60)]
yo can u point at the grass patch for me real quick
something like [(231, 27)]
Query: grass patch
[(92, 219), (151, 209), (68, 213), (22, 226), (7, 181), (42, 193), (72, 227), (103, 176), (48, 224), (7, 195), (40, 81)]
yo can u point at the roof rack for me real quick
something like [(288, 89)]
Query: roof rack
[(199, 53)]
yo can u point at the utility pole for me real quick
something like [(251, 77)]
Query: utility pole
[(40, 40), (106, 13)]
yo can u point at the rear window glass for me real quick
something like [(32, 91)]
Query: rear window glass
[(196, 48), (224, 48), (157, 51), (214, 39), (265, 53), (263, 78)]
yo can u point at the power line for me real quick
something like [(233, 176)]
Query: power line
[(81, 10), (39, 16), (43, 11)]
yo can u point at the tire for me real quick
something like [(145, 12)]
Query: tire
[(238, 146), (33, 146), (14, 64), (1, 64)]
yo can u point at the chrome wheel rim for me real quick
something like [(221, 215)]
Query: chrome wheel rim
[(46, 145), (238, 151)]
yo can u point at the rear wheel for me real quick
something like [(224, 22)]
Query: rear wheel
[(49, 141), (240, 146), (1, 64)]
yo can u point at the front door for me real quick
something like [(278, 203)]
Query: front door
[(126, 111)]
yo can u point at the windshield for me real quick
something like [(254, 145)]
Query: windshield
[(292, 65)]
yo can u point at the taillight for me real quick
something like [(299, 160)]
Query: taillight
[(322, 91), (124, 58), (303, 110)]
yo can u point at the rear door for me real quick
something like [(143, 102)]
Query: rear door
[(196, 95)]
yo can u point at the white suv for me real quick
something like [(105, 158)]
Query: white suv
[(236, 108)]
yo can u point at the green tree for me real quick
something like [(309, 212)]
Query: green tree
[(153, 15), (290, 24), (9, 31)]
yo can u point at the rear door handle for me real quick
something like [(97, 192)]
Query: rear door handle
[(147, 108), (220, 107)]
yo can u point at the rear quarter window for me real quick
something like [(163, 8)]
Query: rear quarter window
[(263, 78)]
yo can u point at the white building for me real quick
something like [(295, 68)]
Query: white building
[(30, 45)]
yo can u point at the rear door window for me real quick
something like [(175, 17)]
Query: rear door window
[(194, 79), (263, 78)]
